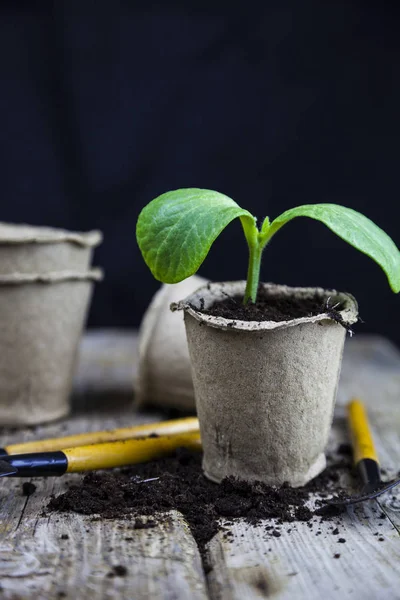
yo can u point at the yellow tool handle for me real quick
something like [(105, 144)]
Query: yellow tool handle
[(127, 452), (363, 444), (171, 427)]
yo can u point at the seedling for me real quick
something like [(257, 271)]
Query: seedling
[(176, 231)]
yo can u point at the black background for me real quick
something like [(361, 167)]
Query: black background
[(105, 105)]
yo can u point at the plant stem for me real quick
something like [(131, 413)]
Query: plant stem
[(253, 272)]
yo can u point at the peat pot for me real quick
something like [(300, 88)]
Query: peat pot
[(41, 250), (164, 376), (41, 322), (265, 391)]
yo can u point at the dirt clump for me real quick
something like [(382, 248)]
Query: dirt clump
[(181, 485)]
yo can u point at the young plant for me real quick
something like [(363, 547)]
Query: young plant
[(176, 230)]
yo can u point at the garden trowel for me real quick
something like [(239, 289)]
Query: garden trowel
[(365, 459), (91, 457), (170, 427)]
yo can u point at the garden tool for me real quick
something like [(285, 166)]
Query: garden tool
[(91, 457), (170, 427), (365, 458)]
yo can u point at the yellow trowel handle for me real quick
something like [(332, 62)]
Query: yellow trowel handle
[(365, 457), (95, 456), (170, 427), (128, 452), (361, 436)]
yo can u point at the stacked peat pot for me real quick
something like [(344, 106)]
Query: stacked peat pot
[(45, 288)]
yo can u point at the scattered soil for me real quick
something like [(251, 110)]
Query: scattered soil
[(118, 571), (144, 524), (181, 485), (270, 307), (28, 488), (345, 450)]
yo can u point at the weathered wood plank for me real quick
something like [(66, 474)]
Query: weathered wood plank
[(387, 439), (107, 363), (371, 371), (377, 363), (37, 560), (78, 557), (163, 562), (301, 564)]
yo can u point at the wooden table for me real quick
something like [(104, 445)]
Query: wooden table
[(37, 561)]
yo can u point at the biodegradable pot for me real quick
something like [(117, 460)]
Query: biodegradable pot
[(265, 391), (41, 321), (164, 376), (38, 250)]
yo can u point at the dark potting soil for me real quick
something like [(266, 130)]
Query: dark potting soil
[(272, 308), (181, 485), (118, 571), (28, 488)]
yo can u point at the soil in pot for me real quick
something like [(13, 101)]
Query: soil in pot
[(273, 307), (181, 485)]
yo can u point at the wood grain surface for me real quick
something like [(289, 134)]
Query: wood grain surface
[(49, 555)]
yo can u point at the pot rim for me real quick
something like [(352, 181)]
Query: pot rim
[(212, 292), (14, 234), (51, 277)]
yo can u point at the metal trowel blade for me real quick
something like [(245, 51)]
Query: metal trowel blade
[(7, 469)]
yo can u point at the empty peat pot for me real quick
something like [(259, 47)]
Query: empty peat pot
[(41, 250), (164, 376), (265, 391), (41, 322)]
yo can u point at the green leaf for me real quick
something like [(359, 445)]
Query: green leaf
[(176, 230), (352, 227)]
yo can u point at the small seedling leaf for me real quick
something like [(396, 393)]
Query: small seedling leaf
[(355, 229), (176, 230)]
